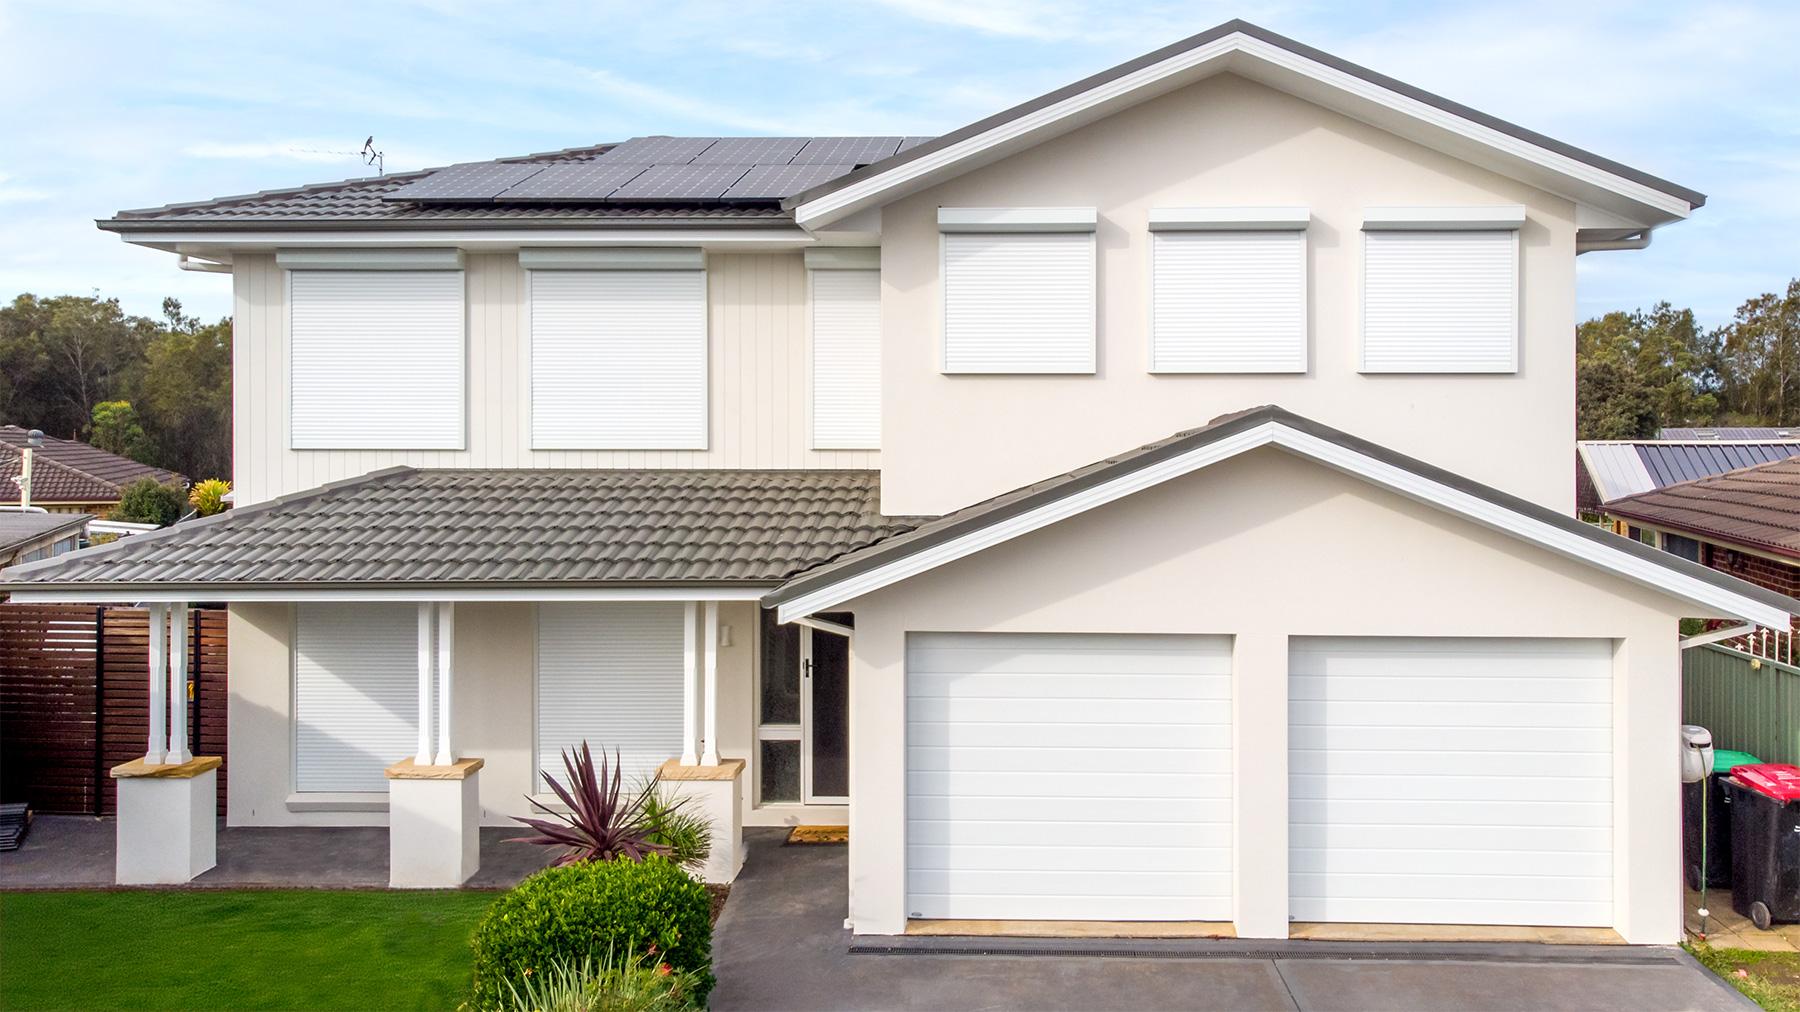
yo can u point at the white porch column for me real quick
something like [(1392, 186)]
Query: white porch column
[(690, 685), (178, 691), (710, 757), (446, 631), (424, 756), (157, 751)]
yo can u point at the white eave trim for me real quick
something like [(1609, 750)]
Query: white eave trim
[(26, 594), (1495, 218), (1233, 51), (1229, 219), (369, 259), (988, 220), (199, 241), (1716, 599)]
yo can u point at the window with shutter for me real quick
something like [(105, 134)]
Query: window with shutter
[(1228, 301), (1018, 288), (610, 675), (1440, 300), (376, 359), (846, 359), (356, 694), (618, 359)]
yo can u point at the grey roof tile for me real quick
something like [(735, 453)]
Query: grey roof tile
[(531, 527), (19, 528)]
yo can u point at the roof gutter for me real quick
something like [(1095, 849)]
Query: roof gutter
[(187, 263), (1639, 241), (75, 593)]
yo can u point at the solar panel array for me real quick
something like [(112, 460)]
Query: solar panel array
[(662, 169)]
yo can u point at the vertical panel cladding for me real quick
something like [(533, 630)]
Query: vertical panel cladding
[(756, 381)]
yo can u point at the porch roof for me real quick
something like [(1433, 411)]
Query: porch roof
[(519, 529)]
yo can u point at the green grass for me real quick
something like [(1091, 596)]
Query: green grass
[(194, 949), (1770, 979)]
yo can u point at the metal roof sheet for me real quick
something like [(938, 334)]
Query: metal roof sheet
[(503, 528), (18, 527), (1740, 433), (1621, 468)]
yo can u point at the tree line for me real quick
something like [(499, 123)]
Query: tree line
[(1640, 371), (157, 390)]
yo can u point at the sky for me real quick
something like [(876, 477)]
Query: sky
[(107, 106)]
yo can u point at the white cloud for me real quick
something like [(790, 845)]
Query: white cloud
[(13, 194)]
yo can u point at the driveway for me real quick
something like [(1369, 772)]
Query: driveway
[(781, 944)]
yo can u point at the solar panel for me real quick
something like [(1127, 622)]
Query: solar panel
[(681, 182), (912, 142), (575, 182), (846, 150), (772, 182), (659, 150), (751, 151), (478, 181)]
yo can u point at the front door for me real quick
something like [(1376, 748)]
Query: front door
[(803, 726)]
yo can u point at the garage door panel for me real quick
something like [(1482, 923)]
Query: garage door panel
[(1068, 832), (1092, 710), (1068, 777), (1306, 713), (1459, 689), (1445, 861), (1072, 786), (1571, 840), (1176, 854), (1334, 812), (1441, 657), (1074, 760), (1395, 762), (1119, 810), (1403, 885), (1361, 787), (1483, 740), (1099, 737), (1066, 685)]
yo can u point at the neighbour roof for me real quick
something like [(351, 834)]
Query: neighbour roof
[(1757, 506), (406, 527), (64, 470), (1622, 468), (931, 542), (19, 528), (1741, 433)]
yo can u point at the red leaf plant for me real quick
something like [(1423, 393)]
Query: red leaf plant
[(602, 822)]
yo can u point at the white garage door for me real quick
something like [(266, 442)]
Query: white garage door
[(1451, 781), (1061, 777)]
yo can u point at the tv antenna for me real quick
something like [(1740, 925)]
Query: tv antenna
[(370, 156)]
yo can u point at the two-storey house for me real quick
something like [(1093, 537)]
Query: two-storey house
[(1148, 503)]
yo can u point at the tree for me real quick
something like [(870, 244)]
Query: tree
[(1657, 362), (62, 355), (116, 429), (1759, 359), (1613, 402), (185, 393), (146, 501)]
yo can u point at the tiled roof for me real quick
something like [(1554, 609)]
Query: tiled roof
[(505, 528), (19, 528), (64, 470), (1757, 506)]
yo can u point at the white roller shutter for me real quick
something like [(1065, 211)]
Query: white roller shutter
[(610, 675), (1451, 781), (1019, 302), (1068, 777), (846, 359), (1440, 301), (1230, 302), (618, 359), (356, 694), (376, 359)]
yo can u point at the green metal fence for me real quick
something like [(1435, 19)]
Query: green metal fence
[(1748, 703)]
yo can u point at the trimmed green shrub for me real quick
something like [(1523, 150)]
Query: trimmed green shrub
[(145, 501), (647, 909)]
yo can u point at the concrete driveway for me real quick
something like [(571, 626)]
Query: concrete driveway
[(781, 944)]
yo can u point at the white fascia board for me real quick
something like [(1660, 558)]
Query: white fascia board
[(1229, 219), (617, 258), (1721, 600), (127, 594), (201, 242), (1492, 218), (1247, 56), (987, 220), (369, 259)]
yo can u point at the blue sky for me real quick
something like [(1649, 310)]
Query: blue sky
[(117, 105)]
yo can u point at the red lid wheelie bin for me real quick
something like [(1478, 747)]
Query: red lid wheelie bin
[(1765, 842)]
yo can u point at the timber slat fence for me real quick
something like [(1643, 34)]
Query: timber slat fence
[(1749, 703), (74, 700)]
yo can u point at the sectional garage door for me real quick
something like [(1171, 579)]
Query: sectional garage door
[(1068, 777), (1451, 781)]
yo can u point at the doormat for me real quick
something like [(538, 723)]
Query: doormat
[(819, 834)]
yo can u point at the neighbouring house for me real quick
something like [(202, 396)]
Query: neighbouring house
[(68, 476), (1147, 503), (30, 535), (1729, 433), (1607, 470), (1745, 522)]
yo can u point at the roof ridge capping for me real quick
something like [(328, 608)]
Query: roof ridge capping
[(856, 190), (973, 528)]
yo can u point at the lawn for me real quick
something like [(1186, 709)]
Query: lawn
[(1770, 979), (195, 949)]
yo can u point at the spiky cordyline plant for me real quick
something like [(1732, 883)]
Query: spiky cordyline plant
[(602, 822)]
